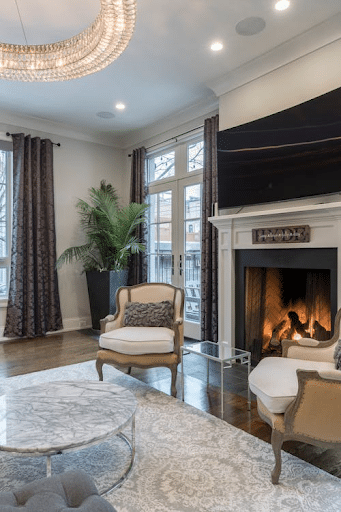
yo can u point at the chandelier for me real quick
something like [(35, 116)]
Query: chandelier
[(88, 52)]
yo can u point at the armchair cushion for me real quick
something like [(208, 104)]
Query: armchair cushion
[(274, 380), (149, 314), (139, 340)]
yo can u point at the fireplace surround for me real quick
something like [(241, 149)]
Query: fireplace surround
[(237, 251)]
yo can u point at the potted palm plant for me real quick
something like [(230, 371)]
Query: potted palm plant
[(111, 239)]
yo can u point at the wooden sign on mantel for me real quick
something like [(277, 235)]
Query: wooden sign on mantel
[(282, 235)]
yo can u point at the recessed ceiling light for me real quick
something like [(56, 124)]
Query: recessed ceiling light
[(120, 106), (216, 47), (105, 115), (281, 5)]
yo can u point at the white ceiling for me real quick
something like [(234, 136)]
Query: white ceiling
[(168, 66)]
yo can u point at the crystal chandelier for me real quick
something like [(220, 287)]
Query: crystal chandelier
[(88, 52)]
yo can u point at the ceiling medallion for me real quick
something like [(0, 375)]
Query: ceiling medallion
[(87, 52)]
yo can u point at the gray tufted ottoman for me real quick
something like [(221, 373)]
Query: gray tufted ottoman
[(70, 491)]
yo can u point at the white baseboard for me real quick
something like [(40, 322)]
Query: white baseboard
[(73, 324), (69, 324)]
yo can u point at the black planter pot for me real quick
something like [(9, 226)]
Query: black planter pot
[(102, 287)]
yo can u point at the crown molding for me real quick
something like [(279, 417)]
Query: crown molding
[(170, 126), (312, 40), (15, 123)]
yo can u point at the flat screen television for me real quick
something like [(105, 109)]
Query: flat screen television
[(292, 154)]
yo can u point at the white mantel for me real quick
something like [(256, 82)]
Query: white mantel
[(235, 232)]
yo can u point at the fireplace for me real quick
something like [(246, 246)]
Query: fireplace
[(236, 245), (283, 294), (285, 304)]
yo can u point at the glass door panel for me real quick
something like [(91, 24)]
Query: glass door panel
[(160, 237), (192, 256)]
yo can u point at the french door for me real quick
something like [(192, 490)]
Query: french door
[(174, 242)]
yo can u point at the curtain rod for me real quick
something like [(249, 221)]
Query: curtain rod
[(54, 143), (174, 138)]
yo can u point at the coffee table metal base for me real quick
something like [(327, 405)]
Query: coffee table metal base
[(131, 445)]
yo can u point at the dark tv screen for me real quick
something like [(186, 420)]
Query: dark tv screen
[(292, 154)]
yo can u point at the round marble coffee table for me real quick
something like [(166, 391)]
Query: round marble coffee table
[(56, 417)]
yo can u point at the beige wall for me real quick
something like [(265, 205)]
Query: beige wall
[(301, 80), (78, 165)]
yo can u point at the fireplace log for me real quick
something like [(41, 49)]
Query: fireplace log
[(275, 339), (296, 325)]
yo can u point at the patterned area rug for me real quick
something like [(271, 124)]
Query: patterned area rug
[(186, 460)]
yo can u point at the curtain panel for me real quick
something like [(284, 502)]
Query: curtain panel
[(33, 302), (209, 247), (138, 194)]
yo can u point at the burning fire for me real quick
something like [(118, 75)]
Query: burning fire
[(297, 337)]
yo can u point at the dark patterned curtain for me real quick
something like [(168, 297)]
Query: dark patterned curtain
[(138, 194), (209, 251), (33, 302)]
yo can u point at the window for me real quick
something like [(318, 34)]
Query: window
[(5, 215), (196, 156), (174, 223), (161, 166)]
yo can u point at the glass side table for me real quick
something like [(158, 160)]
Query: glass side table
[(224, 354)]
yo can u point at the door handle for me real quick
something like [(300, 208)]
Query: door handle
[(172, 264)]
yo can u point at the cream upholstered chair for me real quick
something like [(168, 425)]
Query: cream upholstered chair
[(299, 394), (146, 331)]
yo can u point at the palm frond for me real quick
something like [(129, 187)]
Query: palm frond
[(110, 230), (74, 253)]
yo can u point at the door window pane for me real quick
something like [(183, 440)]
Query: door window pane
[(195, 156), (193, 235), (165, 206), (161, 166), (152, 210), (160, 238), (192, 252)]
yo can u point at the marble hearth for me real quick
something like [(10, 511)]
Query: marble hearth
[(235, 234)]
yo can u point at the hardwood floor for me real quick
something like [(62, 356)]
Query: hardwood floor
[(18, 357)]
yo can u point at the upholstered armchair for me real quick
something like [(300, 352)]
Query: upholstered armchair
[(299, 394), (146, 330)]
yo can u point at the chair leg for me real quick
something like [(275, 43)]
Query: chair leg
[(174, 370), (276, 442), (129, 370), (99, 366)]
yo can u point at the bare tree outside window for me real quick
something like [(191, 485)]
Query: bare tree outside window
[(196, 156), (162, 166)]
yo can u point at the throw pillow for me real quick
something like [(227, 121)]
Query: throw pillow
[(337, 355), (150, 314)]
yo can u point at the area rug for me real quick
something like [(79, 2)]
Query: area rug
[(186, 460)]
